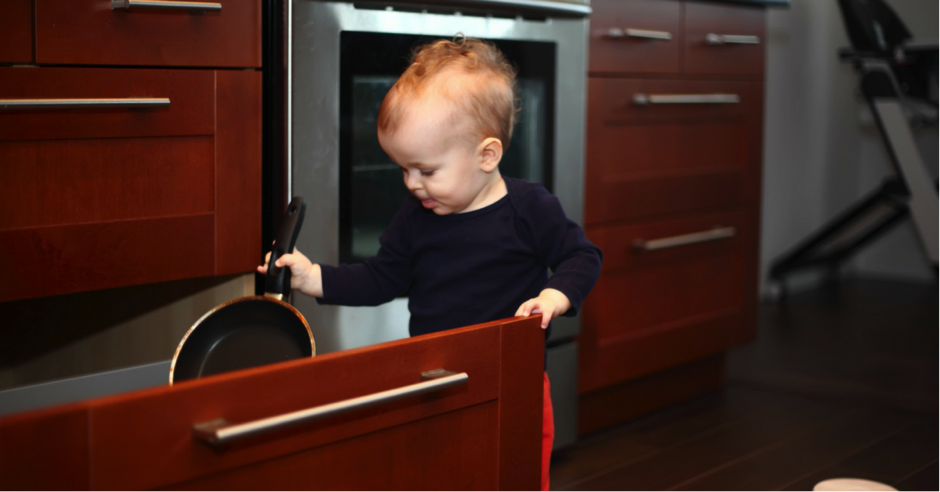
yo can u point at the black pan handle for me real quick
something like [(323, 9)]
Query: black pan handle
[(277, 280)]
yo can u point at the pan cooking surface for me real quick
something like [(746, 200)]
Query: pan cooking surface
[(249, 332)]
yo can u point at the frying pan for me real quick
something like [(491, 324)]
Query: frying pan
[(250, 331)]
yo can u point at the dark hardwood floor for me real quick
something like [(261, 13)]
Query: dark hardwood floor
[(842, 382)]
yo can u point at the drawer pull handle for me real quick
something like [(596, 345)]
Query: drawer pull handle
[(218, 432), (165, 5), (617, 33), (646, 99), (716, 39), (127, 102), (685, 239)]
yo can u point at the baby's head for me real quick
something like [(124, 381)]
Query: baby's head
[(447, 121)]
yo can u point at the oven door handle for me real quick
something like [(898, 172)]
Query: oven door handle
[(544, 7)]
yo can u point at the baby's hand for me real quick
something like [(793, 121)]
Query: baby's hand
[(550, 302), (305, 276)]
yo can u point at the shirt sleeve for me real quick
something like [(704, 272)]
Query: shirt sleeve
[(561, 244), (379, 279)]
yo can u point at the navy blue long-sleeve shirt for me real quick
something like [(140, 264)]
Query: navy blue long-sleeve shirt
[(474, 267)]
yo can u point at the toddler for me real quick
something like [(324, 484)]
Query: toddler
[(469, 246)]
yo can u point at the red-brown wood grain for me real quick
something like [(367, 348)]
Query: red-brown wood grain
[(238, 171), (45, 450), (485, 434), (191, 110), (520, 450), (656, 171), (70, 174), (655, 309), (629, 54), (702, 18), (89, 32), (658, 159), (44, 261), (48, 183), (130, 455), (404, 457), (16, 31)]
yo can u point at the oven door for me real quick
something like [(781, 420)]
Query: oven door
[(344, 57)]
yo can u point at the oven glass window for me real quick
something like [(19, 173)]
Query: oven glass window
[(371, 187)]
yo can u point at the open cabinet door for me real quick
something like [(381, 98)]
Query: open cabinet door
[(481, 431)]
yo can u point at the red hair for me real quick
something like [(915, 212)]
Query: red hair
[(483, 92)]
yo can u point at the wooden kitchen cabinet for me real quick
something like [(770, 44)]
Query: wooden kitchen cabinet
[(484, 434), (672, 187), (16, 31), (98, 197)]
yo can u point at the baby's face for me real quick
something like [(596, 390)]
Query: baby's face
[(439, 164)]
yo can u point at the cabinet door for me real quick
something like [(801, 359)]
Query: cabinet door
[(723, 39), (16, 31), (637, 36), (482, 434), (98, 197), (666, 146), (93, 32), (670, 292)]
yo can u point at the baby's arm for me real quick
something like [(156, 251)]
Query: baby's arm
[(305, 276), (551, 303)]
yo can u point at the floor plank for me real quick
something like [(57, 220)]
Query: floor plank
[(701, 453), (900, 455), (800, 454), (923, 479), (606, 451)]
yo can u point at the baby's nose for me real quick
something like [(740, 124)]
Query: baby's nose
[(412, 183)]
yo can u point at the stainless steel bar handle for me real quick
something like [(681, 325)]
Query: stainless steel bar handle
[(618, 33), (165, 5), (123, 102), (712, 38), (645, 99), (218, 432), (551, 8), (685, 239)]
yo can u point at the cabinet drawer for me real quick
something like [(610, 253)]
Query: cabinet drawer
[(723, 39), (99, 197), (91, 32), (188, 109), (16, 31), (658, 158), (691, 292), (635, 36), (481, 434)]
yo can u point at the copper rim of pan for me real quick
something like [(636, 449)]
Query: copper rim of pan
[(313, 344)]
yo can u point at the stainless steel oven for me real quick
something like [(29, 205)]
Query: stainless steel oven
[(342, 58)]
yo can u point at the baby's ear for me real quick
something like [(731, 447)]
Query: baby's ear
[(491, 152)]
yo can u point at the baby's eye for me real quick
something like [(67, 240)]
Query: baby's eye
[(427, 172)]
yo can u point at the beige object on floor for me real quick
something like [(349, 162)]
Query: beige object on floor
[(851, 484)]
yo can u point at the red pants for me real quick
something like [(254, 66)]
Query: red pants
[(548, 431)]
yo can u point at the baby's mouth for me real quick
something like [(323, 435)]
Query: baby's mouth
[(428, 203)]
